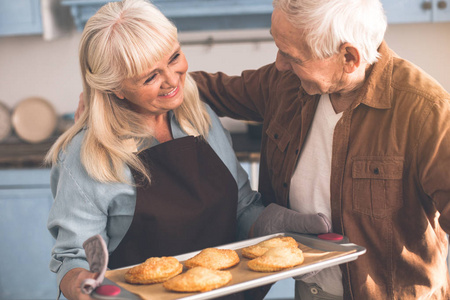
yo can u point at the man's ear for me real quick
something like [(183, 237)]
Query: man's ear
[(351, 56)]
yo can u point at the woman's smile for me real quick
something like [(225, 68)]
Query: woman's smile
[(171, 93)]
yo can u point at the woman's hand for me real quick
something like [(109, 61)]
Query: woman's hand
[(80, 108), (71, 284)]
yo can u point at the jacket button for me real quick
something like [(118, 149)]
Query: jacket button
[(296, 151), (314, 291), (285, 184), (376, 171), (275, 135)]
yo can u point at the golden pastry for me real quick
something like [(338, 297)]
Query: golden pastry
[(198, 279), (276, 259), (262, 247), (213, 258), (154, 270)]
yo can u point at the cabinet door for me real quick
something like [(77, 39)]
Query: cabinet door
[(408, 11), (20, 17), (26, 244), (441, 10)]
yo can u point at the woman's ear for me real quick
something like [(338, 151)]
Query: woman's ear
[(119, 94), (352, 57)]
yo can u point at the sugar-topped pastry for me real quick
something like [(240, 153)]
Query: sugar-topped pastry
[(154, 270), (262, 247), (213, 258), (198, 279), (276, 259)]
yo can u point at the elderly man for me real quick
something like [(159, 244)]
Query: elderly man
[(356, 133)]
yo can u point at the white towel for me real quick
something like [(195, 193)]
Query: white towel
[(56, 19)]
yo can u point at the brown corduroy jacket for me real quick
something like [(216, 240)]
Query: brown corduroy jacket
[(390, 174)]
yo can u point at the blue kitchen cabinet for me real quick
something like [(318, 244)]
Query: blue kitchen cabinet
[(25, 247), (20, 17), (416, 11), (193, 15)]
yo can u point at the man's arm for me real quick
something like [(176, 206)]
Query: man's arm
[(433, 159), (242, 97)]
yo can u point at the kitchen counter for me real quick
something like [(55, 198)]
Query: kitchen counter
[(16, 154)]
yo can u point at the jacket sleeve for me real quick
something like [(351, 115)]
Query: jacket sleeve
[(433, 159), (243, 97)]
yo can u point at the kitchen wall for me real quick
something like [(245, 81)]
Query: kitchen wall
[(30, 66)]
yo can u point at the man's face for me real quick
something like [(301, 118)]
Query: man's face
[(318, 76)]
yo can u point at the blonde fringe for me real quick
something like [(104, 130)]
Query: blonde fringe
[(109, 128)]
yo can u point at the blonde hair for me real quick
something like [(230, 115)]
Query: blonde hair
[(327, 24), (123, 40)]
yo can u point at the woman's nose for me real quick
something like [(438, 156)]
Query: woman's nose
[(282, 63), (171, 78)]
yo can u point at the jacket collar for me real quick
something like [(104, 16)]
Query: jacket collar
[(376, 90)]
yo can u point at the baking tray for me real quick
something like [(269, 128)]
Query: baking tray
[(319, 254)]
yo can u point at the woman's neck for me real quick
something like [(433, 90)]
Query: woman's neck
[(161, 127)]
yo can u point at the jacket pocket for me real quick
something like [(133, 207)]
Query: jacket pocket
[(277, 142), (377, 185)]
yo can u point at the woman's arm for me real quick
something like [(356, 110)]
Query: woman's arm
[(83, 208)]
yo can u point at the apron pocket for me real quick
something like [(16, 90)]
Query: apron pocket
[(377, 185)]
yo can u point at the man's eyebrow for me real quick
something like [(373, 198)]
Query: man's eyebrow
[(288, 56)]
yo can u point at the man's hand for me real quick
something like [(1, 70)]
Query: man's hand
[(276, 218), (71, 284), (80, 108)]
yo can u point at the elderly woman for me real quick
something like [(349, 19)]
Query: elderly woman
[(147, 166)]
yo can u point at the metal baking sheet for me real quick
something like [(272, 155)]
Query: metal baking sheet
[(347, 252)]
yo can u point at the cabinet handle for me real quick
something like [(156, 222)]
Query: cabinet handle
[(442, 4), (427, 5)]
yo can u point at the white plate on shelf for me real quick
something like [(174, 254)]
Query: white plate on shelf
[(34, 120), (5, 121)]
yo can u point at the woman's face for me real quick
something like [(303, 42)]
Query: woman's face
[(161, 88)]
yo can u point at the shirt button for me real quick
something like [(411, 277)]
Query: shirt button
[(275, 135), (296, 151), (376, 171), (285, 184), (314, 291)]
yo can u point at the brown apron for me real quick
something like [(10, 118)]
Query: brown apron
[(190, 205)]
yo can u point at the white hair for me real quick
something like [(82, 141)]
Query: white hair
[(327, 24)]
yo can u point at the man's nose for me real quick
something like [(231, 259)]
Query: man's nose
[(281, 63)]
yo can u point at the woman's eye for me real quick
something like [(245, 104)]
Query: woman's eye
[(175, 57), (150, 79)]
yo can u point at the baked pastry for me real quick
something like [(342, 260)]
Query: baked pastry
[(198, 279), (154, 270), (213, 258), (276, 259), (262, 247)]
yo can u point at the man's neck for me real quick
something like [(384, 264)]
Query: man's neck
[(343, 100)]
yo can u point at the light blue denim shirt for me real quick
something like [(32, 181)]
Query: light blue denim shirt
[(84, 207)]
